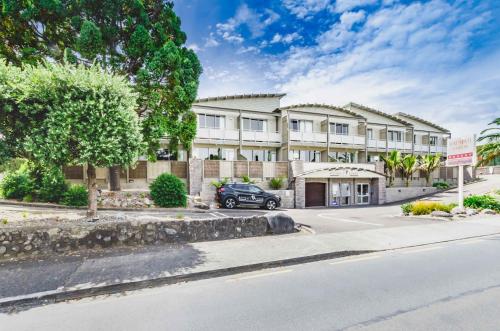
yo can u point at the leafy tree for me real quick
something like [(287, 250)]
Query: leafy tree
[(409, 164), (491, 150), (140, 39), (72, 115), (392, 164), (429, 163)]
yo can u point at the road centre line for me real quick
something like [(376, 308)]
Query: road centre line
[(259, 275), (329, 217), (425, 249), (356, 259)]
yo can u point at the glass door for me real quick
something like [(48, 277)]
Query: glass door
[(362, 194), (335, 195)]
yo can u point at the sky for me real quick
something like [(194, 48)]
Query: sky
[(436, 59)]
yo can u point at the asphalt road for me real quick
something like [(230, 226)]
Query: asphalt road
[(450, 286)]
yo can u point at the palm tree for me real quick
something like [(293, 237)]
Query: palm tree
[(429, 163), (392, 163), (491, 150), (409, 164)]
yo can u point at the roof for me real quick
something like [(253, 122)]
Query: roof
[(378, 112), (243, 96), (317, 105), (423, 121)]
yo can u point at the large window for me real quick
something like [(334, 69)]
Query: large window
[(301, 125), (166, 154), (259, 154), (433, 140), (213, 153), (211, 121), (252, 124), (395, 136), (342, 157), (369, 132), (307, 156), (339, 129)]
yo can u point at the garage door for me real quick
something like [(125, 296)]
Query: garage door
[(315, 194)]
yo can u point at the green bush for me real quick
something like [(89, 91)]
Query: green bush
[(76, 196), (168, 191), (16, 185), (276, 183), (427, 207), (441, 185), (406, 208), (247, 180), (220, 183), (52, 186), (482, 202), (12, 165)]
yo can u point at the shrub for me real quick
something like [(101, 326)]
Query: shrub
[(441, 185), (427, 207), (12, 165), (76, 196), (220, 183), (52, 186), (482, 202), (247, 180), (276, 183), (406, 208), (16, 185), (168, 191)]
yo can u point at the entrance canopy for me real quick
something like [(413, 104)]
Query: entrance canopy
[(341, 172)]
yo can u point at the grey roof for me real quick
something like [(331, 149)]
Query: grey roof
[(317, 105), (415, 118), (378, 112), (243, 96)]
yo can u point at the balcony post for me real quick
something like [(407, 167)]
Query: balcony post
[(327, 137), (366, 142), (386, 140), (428, 142), (412, 141), (240, 131)]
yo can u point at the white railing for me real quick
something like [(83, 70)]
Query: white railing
[(346, 139), (260, 136), (316, 137), (216, 134)]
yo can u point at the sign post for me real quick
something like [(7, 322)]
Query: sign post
[(461, 152)]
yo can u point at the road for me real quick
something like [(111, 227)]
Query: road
[(447, 286)]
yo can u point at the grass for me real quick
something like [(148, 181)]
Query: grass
[(426, 207)]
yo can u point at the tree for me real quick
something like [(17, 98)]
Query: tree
[(140, 39), (72, 115), (491, 150), (429, 163), (392, 164), (409, 164)]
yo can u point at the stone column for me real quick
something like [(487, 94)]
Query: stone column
[(195, 176), (300, 192)]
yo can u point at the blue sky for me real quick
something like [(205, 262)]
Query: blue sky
[(436, 59)]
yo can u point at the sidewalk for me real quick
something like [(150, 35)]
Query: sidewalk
[(133, 268)]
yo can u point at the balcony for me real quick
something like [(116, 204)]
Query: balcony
[(311, 137), (347, 140), (217, 134), (261, 136)]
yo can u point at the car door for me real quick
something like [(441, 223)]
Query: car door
[(243, 194), (256, 195)]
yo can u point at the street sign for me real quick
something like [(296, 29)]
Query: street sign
[(461, 151)]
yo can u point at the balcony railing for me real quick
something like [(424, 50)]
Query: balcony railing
[(261, 136), (218, 134), (347, 139), (316, 137)]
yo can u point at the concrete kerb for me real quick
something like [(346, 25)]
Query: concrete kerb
[(49, 297)]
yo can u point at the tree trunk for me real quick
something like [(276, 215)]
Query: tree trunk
[(114, 178), (92, 188)]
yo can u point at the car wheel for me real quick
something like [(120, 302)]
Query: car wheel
[(271, 204), (229, 203)]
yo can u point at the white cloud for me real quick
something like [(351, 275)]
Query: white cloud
[(211, 41), (285, 39), (345, 5), (306, 8)]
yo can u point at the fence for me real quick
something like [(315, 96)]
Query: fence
[(239, 169)]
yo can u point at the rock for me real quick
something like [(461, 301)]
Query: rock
[(440, 213), (279, 222), (201, 205), (488, 212), (470, 211), (170, 231), (3, 249), (147, 201), (458, 211)]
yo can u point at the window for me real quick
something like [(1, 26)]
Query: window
[(206, 153), (369, 133), (342, 157), (252, 124), (307, 156), (433, 140), (166, 154), (414, 139), (254, 189), (301, 125), (211, 121), (259, 155), (339, 129), (395, 136)]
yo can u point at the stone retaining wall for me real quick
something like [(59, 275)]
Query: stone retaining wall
[(125, 199), (287, 197), (403, 193), (42, 240)]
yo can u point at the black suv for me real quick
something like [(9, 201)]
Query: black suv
[(232, 195)]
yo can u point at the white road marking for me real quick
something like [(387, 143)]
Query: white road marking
[(333, 218), (356, 259), (468, 242), (411, 251), (260, 275)]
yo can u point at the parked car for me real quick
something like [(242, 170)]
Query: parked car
[(232, 195)]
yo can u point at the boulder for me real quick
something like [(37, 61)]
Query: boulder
[(201, 205), (440, 213), (458, 211), (470, 211), (488, 212), (279, 223)]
